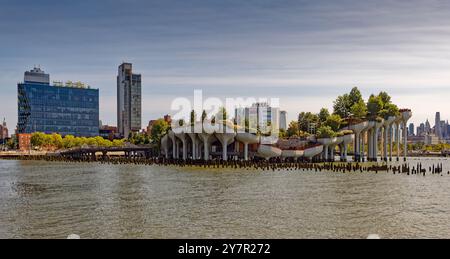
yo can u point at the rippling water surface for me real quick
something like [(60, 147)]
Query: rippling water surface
[(53, 200)]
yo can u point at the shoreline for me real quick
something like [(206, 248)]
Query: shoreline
[(406, 168)]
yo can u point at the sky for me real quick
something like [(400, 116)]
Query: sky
[(303, 52)]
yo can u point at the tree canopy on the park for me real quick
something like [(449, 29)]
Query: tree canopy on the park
[(347, 106)]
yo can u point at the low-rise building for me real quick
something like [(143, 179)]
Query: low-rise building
[(108, 132), (24, 141), (150, 126), (416, 139), (432, 139)]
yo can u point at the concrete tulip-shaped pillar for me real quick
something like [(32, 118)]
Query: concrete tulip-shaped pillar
[(207, 139), (406, 115), (183, 139), (369, 130), (387, 134), (369, 144), (335, 142), (346, 140), (397, 138), (225, 139), (391, 140), (387, 131), (376, 131), (358, 129), (174, 144), (199, 148), (246, 139), (194, 140), (362, 144), (165, 145), (326, 142)]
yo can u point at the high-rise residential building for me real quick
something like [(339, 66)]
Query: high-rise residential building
[(437, 127), (283, 120), (411, 129), (68, 109), (129, 100), (3, 132), (259, 116)]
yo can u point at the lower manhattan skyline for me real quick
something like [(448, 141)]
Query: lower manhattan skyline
[(305, 57)]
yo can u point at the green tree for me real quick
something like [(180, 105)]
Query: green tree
[(389, 110), (12, 143), (69, 141), (334, 122), (56, 141), (323, 115), (48, 141), (374, 106), (305, 119), (384, 97), (282, 133), (355, 97), (193, 117), (37, 139), (91, 142), (342, 106), (293, 129), (204, 115), (359, 110), (79, 142), (118, 143), (159, 129), (325, 132)]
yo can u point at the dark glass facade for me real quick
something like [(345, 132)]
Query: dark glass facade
[(57, 109)]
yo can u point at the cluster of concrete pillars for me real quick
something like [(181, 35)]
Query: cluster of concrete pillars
[(329, 149), (199, 145), (372, 132)]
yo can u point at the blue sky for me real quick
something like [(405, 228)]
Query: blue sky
[(304, 52)]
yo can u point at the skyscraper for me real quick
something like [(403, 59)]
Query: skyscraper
[(69, 109), (411, 129), (437, 127), (3, 132), (421, 130), (427, 127), (283, 120), (444, 129), (129, 100)]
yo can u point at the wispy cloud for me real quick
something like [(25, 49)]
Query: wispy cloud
[(300, 50)]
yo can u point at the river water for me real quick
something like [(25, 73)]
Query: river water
[(54, 200)]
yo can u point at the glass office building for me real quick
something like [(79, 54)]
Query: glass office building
[(69, 109)]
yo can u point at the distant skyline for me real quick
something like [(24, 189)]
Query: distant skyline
[(303, 52)]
